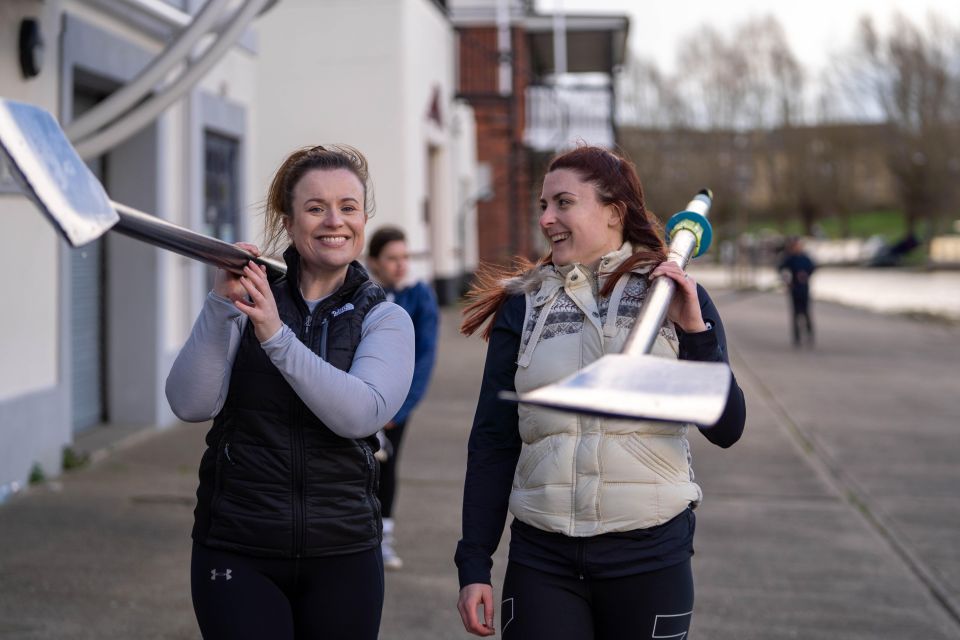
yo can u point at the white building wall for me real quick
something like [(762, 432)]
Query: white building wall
[(230, 87), (28, 358), (368, 79), (33, 425), (341, 82), (467, 184), (428, 53), (175, 206), (152, 295)]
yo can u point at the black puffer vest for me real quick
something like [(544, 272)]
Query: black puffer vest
[(274, 480)]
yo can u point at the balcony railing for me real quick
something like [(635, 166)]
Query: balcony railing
[(562, 116)]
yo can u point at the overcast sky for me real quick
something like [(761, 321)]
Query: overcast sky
[(815, 28)]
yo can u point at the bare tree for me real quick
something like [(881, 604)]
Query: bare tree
[(774, 85), (712, 76), (749, 79), (911, 76), (775, 90), (649, 98), (742, 85)]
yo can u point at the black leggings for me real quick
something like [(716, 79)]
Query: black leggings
[(388, 470), (800, 299), (536, 605), (238, 597)]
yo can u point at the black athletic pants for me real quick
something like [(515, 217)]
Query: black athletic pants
[(800, 301), (542, 606), (388, 470), (237, 597)]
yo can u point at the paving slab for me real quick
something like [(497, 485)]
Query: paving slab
[(846, 445)]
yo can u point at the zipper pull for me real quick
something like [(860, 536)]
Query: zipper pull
[(323, 338), (306, 324)]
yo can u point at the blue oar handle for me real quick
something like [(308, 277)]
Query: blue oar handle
[(694, 219), (689, 235)]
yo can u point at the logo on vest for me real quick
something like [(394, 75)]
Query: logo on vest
[(342, 310), (214, 574)]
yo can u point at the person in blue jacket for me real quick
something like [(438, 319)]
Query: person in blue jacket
[(389, 261), (795, 270)]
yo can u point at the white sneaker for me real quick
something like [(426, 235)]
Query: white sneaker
[(383, 453), (391, 560)]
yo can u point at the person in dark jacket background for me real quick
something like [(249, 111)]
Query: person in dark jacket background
[(796, 269), (298, 374), (389, 261)]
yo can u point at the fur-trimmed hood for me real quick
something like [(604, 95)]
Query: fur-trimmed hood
[(539, 278)]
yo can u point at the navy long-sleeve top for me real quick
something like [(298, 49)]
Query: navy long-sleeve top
[(494, 448), (420, 303)]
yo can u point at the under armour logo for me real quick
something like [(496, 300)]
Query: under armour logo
[(214, 574)]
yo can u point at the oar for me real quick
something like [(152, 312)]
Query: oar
[(634, 384), (50, 173)]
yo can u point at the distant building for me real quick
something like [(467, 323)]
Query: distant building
[(538, 83), (801, 171)]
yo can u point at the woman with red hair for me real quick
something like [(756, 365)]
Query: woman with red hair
[(603, 525)]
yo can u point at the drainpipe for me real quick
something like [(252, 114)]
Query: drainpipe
[(505, 85), (559, 42), (505, 77)]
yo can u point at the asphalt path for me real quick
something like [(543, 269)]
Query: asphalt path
[(836, 516)]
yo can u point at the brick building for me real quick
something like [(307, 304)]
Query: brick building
[(537, 83)]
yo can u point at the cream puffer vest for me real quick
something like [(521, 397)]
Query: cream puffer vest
[(585, 475)]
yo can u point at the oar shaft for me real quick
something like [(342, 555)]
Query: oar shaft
[(166, 235), (683, 244)]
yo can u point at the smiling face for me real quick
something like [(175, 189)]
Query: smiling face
[(579, 228), (327, 219)]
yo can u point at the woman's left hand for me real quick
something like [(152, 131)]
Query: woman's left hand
[(684, 308), (261, 308)]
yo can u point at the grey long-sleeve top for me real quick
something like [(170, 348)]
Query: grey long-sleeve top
[(353, 404)]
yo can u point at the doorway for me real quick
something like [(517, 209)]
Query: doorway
[(88, 302)]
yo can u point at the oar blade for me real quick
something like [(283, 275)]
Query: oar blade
[(50, 172), (640, 387)]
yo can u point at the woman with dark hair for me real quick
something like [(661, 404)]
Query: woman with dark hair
[(298, 374), (602, 533), (389, 259)]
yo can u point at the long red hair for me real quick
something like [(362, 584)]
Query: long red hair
[(616, 182)]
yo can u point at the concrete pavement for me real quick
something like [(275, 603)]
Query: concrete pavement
[(933, 294), (835, 517)]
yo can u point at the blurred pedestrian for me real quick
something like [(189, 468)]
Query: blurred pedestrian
[(795, 269), (298, 374), (389, 262), (603, 523)]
